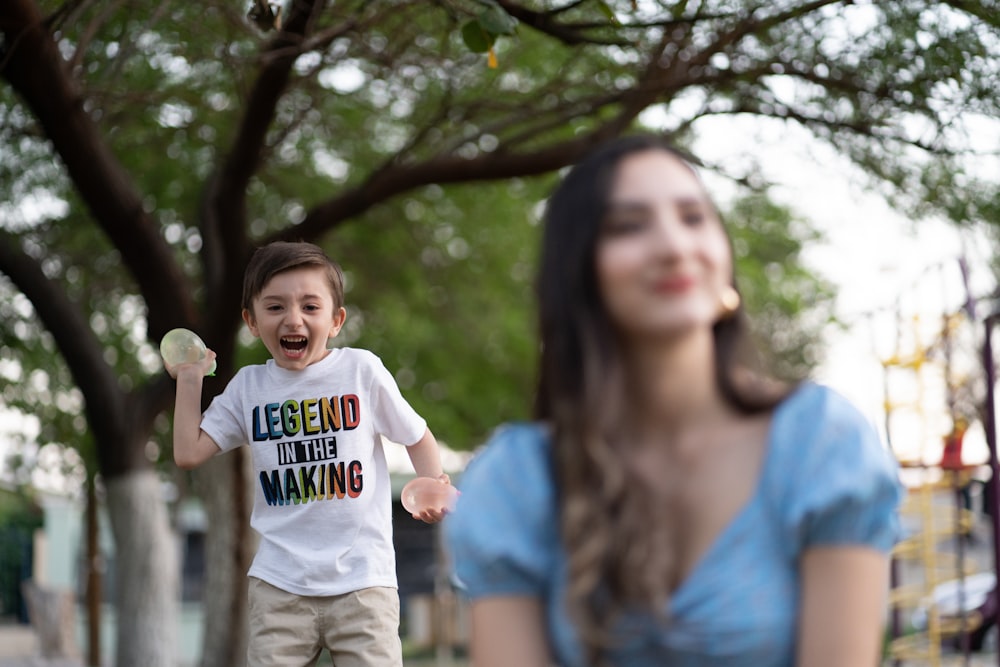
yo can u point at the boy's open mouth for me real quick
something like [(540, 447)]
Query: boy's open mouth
[(294, 343)]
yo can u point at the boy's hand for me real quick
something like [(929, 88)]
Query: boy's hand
[(437, 511), (200, 367)]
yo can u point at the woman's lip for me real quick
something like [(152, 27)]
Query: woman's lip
[(674, 284)]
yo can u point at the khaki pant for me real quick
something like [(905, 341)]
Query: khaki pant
[(359, 629)]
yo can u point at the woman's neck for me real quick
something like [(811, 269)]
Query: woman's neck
[(673, 387)]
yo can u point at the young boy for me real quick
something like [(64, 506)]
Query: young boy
[(324, 575)]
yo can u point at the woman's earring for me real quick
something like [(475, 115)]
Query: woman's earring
[(730, 300)]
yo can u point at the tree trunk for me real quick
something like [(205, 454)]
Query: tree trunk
[(146, 574), (229, 546), (95, 568), (53, 616)]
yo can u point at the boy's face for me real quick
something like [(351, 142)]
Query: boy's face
[(294, 317)]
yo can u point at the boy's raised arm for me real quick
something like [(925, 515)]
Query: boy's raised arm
[(192, 446)]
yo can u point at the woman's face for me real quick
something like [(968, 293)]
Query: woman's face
[(662, 258)]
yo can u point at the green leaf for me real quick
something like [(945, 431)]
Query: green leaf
[(476, 37), (496, 21)]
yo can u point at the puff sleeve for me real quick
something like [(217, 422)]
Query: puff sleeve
[(502, 536), (837, 485)]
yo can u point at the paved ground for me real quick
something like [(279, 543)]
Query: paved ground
[(18, 648)]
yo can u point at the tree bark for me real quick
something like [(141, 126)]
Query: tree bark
[(222, 486), (53, 616), (94, 578), (146, 571)]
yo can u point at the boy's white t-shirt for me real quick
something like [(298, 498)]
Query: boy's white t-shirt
[(322, 502)]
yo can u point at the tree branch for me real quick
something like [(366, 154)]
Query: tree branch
[(223, 212), (88, 33), (79, 347), (545, 22), (31, 63), (442, 170), (394, 178)]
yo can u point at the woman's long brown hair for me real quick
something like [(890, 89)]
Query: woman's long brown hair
[(620, 554)]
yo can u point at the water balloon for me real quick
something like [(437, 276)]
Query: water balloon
[(183, 346), (427, 493)]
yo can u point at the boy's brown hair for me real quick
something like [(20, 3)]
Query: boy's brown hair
[(279, 256)]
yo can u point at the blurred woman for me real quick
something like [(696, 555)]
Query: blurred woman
[(671, 504)]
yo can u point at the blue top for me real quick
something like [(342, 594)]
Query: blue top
[(826, 479)]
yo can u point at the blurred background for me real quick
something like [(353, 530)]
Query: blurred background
[(147, 148)]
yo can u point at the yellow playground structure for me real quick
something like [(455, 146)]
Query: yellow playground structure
[(943, 601)]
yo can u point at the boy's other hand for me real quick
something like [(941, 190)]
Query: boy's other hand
[(431, 515), (435, 514)]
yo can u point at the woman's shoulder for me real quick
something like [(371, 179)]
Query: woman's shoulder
[(818, 436), (817, 412), (503, 532), (830, 473), (810, 395), (515, 455), (523, 438)]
